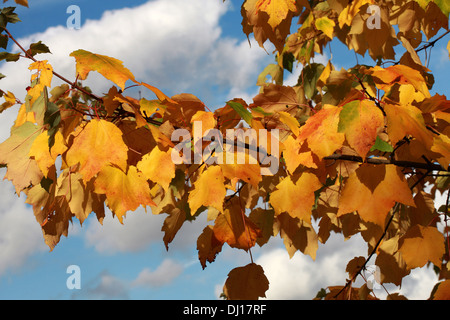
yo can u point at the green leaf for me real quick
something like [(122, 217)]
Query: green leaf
[(9, 57), (38, 47), (243, 112), (382, 146), (310, 74)]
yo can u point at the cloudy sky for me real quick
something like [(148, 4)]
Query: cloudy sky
[(194, 46)]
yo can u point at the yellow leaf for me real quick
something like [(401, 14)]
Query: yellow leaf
[(326, 25), (350, 11), (422, 244), (158, 167), (44, 72), (290, 121), (295, 197), (372, 191), (111, 68), (404, 121), (209, 190), (207, 119), (95, 146), (276, 9), (44, 157), (124, 191)]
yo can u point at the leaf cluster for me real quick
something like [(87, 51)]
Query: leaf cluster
[(359, 151)]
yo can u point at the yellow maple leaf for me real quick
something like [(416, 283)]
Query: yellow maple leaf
[(372, 191), (44, 72), (124, 191), (95, 146), (276, 9), (326, 25), (209, 190), (295, 197), (158, 167), (44, 157), (111, 68)]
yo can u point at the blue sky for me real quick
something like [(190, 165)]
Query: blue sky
[(194, 46)]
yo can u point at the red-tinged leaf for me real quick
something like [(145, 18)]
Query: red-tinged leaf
[(361, 121), (321, 132)]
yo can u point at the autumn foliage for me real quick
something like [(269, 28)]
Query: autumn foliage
[(361, 151)]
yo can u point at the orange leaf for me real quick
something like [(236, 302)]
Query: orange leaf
[(235, 228), (399, 74), (442, 291), (124, 191), (372, 190), (321, 132), (420, 245)]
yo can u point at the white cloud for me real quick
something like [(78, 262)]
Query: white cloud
[(167, 272), (173, 44), (136, 233), (301, 277), (20, 234)]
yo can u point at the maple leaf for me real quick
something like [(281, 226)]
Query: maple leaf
[(372, 190), (208, 246), (422, 244), (80, 196), (95, 146), (441, 291), (361, 121), (235, 228), (406, 121), (22, 170), (209, 190), (172, 224), (400, 74), (246, 283), (276, 9), (295, 197), (296, 235), (111, 68), (326, 25), (321, 132), (158, 167), (44, 156), (125, 191)]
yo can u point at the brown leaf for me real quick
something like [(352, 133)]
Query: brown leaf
[(246, 283)]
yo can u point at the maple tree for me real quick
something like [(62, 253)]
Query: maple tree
[(359, 151)]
